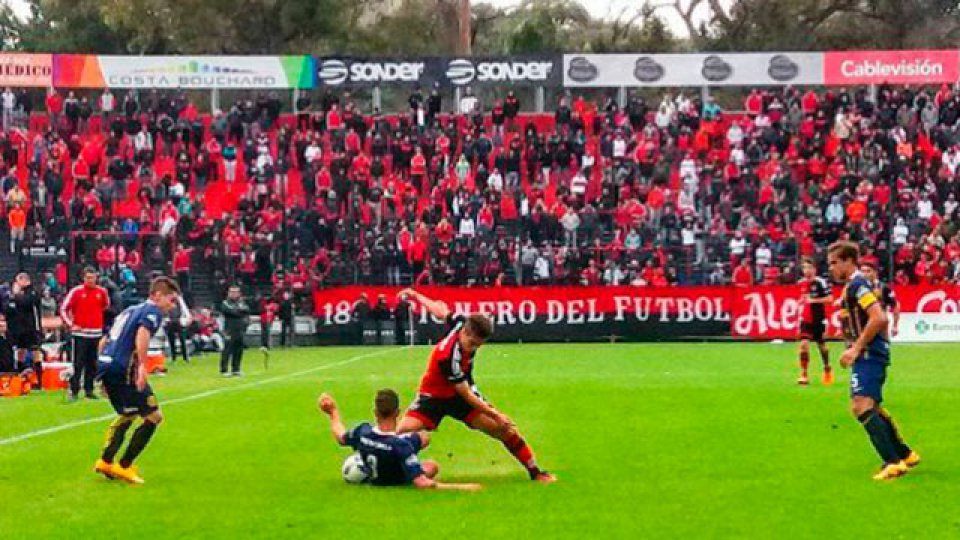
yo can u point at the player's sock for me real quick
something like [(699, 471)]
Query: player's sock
[(138, 442), (804, 361), (901, 447), (115, 434), (825, 356), (522, 452), (879, 435)]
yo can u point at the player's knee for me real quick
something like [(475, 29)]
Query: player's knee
[(430, 468), (860, 405)]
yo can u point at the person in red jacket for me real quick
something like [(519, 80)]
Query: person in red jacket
[(83, 312), (742, 274), (269, 307), (54, 108)]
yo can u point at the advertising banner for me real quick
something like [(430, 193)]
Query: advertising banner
[(26, 70), (553, 313), (774, 313), (185, 72), (893, 67), (354, 72), (928, 328), (523, 70), (716, 69), (637, 314)]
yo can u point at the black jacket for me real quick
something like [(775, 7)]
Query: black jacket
[(23, 313), (236, 317)]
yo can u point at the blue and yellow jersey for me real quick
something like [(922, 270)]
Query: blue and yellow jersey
[(858, 296), (118, 360)]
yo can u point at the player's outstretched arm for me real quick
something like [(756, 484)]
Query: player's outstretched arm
[(437, 308), (422, 482), (327, 404)]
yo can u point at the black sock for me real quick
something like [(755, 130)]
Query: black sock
[(115, 434), (901, 447), (138, 442), (825, 355), (879, 435)]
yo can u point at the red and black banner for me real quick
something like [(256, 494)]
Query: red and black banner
[(614, 313), (557, 313)]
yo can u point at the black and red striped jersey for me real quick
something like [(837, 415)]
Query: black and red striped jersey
[(449, 364)]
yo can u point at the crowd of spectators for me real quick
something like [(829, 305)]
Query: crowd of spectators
[(668, 192)]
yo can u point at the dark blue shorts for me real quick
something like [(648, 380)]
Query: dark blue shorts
[(127, 399), (867, 380)]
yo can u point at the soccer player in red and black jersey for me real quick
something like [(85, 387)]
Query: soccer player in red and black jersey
[(883, 292), (447, 388), (814, 296)]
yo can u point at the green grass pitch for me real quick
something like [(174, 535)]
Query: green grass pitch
[(648, 441)]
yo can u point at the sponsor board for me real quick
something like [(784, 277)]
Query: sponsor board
[(441, 71), (186, 72), (718, 69), (537, 71), (26, 70), (893, 67), (347, 71), (553, 313), (928, 328), (637, 314)]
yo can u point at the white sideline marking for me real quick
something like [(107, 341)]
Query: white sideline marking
[(201, 395)]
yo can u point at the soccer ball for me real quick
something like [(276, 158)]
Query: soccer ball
[(354, 470)]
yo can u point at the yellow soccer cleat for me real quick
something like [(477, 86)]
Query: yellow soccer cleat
[(130, 475), (891, 471), (803, 380), (828, 378), (104, 468), (912, 460)]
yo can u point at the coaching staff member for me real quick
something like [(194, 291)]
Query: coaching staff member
[(236, 317), (23, 319), (83, 313)]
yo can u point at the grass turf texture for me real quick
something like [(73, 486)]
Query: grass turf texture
[(665, 441)]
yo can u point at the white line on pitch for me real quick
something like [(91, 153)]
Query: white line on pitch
[(201, 395)]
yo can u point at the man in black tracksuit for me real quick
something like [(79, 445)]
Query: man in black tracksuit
[(236, 317), (23, 320)]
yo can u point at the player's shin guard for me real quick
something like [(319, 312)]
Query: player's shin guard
[(138, 442), (520, 450), (115, 434), (879, 434), (804, 360), (903, 451)]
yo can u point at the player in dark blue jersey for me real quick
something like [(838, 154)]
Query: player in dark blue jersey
[(869, 356), (392, 459), (123, 352)]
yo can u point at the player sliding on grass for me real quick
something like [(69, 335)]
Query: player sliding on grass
[(392, 458), (814, 297), (121, 368), (447, 388), (869, 356)]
